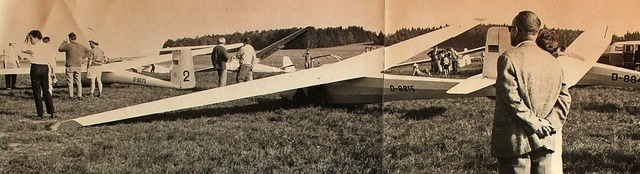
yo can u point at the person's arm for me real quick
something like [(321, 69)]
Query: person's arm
[(26, 49), (90, 60), (560, 111), (226, 55), (254, 59), (559, 54), (4, 58), (507, 91), (63, 47), (239, 55), (87, 53), (52, 64)]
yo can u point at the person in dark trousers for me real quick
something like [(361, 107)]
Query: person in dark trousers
[(41, 66)]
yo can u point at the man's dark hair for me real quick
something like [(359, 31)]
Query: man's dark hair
[(247, 41), (46, 38), (35, 34), (548, 41), (72, 36), (527, 21)]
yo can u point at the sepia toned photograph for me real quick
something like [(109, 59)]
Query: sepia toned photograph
[(330, 86)]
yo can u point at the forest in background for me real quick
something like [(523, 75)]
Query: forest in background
[(316, 38), (338, 36)]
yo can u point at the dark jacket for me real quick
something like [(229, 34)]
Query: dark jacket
[(219, 57)]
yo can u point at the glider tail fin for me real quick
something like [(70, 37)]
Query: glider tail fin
[(182, 72), (287, 64), (498, 41)]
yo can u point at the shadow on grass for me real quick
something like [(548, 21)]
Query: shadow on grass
[(634, 136), (602, 107), (261, 106), (426, 113), (4, 112), (633, 110), (613, 161)]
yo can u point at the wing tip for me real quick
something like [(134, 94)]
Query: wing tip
[(471, 84), (65, 125), (458, 90)]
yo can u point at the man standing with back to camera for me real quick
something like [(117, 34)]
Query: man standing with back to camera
[(247, 58), (75, 52), (219, 58), (532, 102)]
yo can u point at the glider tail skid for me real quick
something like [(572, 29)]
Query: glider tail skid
[(498, 41)]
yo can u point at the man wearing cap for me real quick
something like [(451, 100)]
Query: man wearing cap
[(219, 58), (75, 53), (247, 58), (532, 103), (94, 71)]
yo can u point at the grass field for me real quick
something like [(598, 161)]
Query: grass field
[(269, 135)]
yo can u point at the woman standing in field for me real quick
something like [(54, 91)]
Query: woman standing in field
[(41, 63)]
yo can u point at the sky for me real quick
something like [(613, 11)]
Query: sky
[(620, 15), (126, 27), (123, 26)]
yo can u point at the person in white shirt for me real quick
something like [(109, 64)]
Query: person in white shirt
[(41, 66), (10, 61), (247, 57)]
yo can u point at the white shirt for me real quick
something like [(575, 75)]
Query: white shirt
[(247, 55), (41, 54), (10, 54)]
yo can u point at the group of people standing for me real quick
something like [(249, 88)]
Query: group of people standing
[(444, 62), (246, 56), (43, 65)]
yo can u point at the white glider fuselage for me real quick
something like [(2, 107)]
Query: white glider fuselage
[(392, 88)]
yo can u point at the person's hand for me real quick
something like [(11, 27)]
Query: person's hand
[(546, 129)]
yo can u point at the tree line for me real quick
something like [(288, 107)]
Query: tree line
[(337, 36), (472, 38), (316, 38), (629, 36)]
